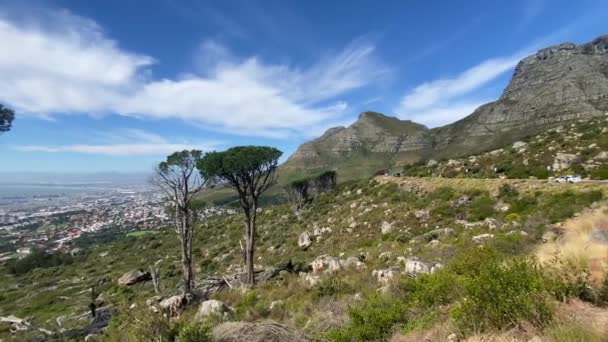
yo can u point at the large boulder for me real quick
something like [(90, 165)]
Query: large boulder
[(133, 277), (387, 276), (256, 332), (304, 240), (212, 307)]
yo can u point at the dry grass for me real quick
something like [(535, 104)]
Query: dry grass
[(576, 246)]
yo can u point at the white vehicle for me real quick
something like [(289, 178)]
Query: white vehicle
[(568, 179)]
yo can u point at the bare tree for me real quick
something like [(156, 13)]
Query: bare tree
[(177, 178)]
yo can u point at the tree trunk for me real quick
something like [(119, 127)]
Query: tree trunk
[(186, 244)]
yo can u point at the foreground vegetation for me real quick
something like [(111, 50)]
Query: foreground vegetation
[(486, 285)]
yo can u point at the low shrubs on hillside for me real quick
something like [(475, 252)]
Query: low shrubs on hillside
[(39, 259), (501, 296)]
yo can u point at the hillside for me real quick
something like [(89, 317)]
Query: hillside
[(361, 252), (578, 148), (556, 86)]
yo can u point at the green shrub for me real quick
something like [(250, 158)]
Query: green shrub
[(512, 217), (507, 191), (331, 286), (194, 332), (429, 290), (371, 320), (502, 295), (481, 208), (600, 173)]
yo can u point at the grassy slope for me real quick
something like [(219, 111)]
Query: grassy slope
[(354, 213)]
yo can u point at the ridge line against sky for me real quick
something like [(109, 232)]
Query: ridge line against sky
[(230, 93)]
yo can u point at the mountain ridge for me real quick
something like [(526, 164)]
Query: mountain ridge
[(558, 84)]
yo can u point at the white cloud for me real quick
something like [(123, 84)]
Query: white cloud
[(76, 69), (124, 142), (445, 100), (440, 115)]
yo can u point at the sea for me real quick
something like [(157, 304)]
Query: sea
[(30, 190)]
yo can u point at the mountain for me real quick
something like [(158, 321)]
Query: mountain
[(558, 84), (373, 142)]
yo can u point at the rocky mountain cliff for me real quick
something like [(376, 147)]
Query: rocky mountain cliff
[(373, 142), (558, 84)]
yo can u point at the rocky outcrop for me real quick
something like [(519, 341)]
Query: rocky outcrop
[(556, 85), (214, 308), (133, 277), (377, 140)]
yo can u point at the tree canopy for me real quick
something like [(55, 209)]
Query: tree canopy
[(249, 169), (7, 116)]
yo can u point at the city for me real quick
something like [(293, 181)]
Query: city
[(53, 222)]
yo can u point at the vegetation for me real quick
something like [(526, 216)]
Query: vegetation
[(178, 180), (582, 145), (504, 282), (303, 190), (250, 170), (7, 116)]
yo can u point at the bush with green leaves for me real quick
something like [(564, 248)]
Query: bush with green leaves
[(501, 296), (194, 332), (371, 320)]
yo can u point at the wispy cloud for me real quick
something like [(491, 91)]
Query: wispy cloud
[(445, 100), (125, 142), (85, 72)]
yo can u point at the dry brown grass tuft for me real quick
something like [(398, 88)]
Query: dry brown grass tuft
[(576, 245)]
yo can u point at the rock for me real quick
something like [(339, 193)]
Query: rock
[(100, 300), (431, 163), (387, 228), (452, 338), (325, 263), (435, 234), (212, 307), (433, 243), (501, 206), (134, 277), (563, 161), (520, 146), (536, 339), (545, 92), (174, 305), (414, 267), (304, 240), (350, 262), (482, 238), (422, 215), (256, 332), (549, 236), (333, 264), (385, 256), (385, 277), (602, 156), (311, 279), (599, 236)]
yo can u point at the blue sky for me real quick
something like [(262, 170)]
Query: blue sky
[(117, 85)]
